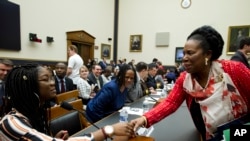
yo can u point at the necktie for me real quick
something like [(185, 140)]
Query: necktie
[(98, 83), (62, 86)]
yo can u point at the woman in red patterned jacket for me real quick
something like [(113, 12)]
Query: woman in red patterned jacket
[(209, 85)]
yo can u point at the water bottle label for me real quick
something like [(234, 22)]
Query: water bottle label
[(123, 119)]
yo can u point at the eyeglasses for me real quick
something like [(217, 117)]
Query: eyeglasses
[(49, 79)]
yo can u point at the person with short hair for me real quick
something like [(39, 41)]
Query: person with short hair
[(62, 82), (85, 89), (241, 54), (74, 64), (216, 91), (5, 66), (95, 78)]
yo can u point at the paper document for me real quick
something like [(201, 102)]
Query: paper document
[(133, 111), (145, 131)]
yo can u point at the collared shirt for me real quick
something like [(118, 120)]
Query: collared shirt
[(59, 83)]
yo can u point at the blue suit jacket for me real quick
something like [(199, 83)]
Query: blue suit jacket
[(108, 100)]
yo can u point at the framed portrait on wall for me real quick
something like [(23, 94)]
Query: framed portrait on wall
[(235, 34), (135, 43), (105, 51)]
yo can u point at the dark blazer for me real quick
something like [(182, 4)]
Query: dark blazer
[(151, 82), (69, 85), (240, 57), (92, 80)]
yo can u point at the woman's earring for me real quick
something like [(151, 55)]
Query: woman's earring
[(206, 59)]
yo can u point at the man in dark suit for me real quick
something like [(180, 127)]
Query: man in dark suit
[(151, 83), (95, 77), (62, 83), (5, 66), (241, 54)]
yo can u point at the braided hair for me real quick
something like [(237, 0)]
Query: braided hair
[(23, 89), (209, 39)]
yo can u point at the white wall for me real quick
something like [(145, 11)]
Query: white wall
[(56, 17), (146, 17)]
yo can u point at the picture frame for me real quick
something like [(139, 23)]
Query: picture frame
[(235, 34), (135, 43), (179, 54), (105, 51)]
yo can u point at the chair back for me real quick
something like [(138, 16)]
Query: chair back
[(67, 96), (72, 121)]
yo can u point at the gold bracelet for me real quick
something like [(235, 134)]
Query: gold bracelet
[(145, 121)]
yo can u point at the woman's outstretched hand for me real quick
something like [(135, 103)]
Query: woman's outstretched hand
[(138, 122)]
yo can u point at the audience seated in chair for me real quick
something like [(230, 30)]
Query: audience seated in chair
[(85, 89), (95, 77), (112, 96), (62, 82), (140, 88)]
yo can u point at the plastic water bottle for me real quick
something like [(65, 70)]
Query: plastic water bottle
[(124, 115), (172, 84), (145, 106), (164, 92)]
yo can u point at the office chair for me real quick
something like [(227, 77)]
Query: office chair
[(72, 121)]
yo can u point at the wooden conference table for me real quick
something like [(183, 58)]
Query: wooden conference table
[(176, 127)]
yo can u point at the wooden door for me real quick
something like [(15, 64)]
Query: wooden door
[(84, 51), (84, 42)]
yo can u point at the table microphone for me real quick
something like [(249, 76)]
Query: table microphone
[(149, 95), (67, 106)]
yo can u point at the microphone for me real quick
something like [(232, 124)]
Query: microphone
[(65, 105), (149, 95)]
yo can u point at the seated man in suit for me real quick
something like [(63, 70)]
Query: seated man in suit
[(241, 54), (62, 82), (151, 82), (5, 66), (95, 77)]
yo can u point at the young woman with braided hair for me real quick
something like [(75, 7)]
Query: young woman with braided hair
[(30, 88)]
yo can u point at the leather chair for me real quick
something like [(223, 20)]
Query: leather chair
[(72, 121)]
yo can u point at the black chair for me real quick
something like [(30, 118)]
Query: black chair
[(69, 122), (72, 121)]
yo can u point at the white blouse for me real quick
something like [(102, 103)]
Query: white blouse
[(84, 88)]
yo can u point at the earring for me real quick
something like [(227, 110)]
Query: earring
[(206, 59)]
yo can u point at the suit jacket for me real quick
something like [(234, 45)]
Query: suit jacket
[(69, 85), (239, 56), (92, 80), (151, 82)]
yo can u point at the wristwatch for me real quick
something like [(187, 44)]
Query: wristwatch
[(109, 130)]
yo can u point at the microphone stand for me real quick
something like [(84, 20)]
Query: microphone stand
[(67, 106), (86, 118)]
